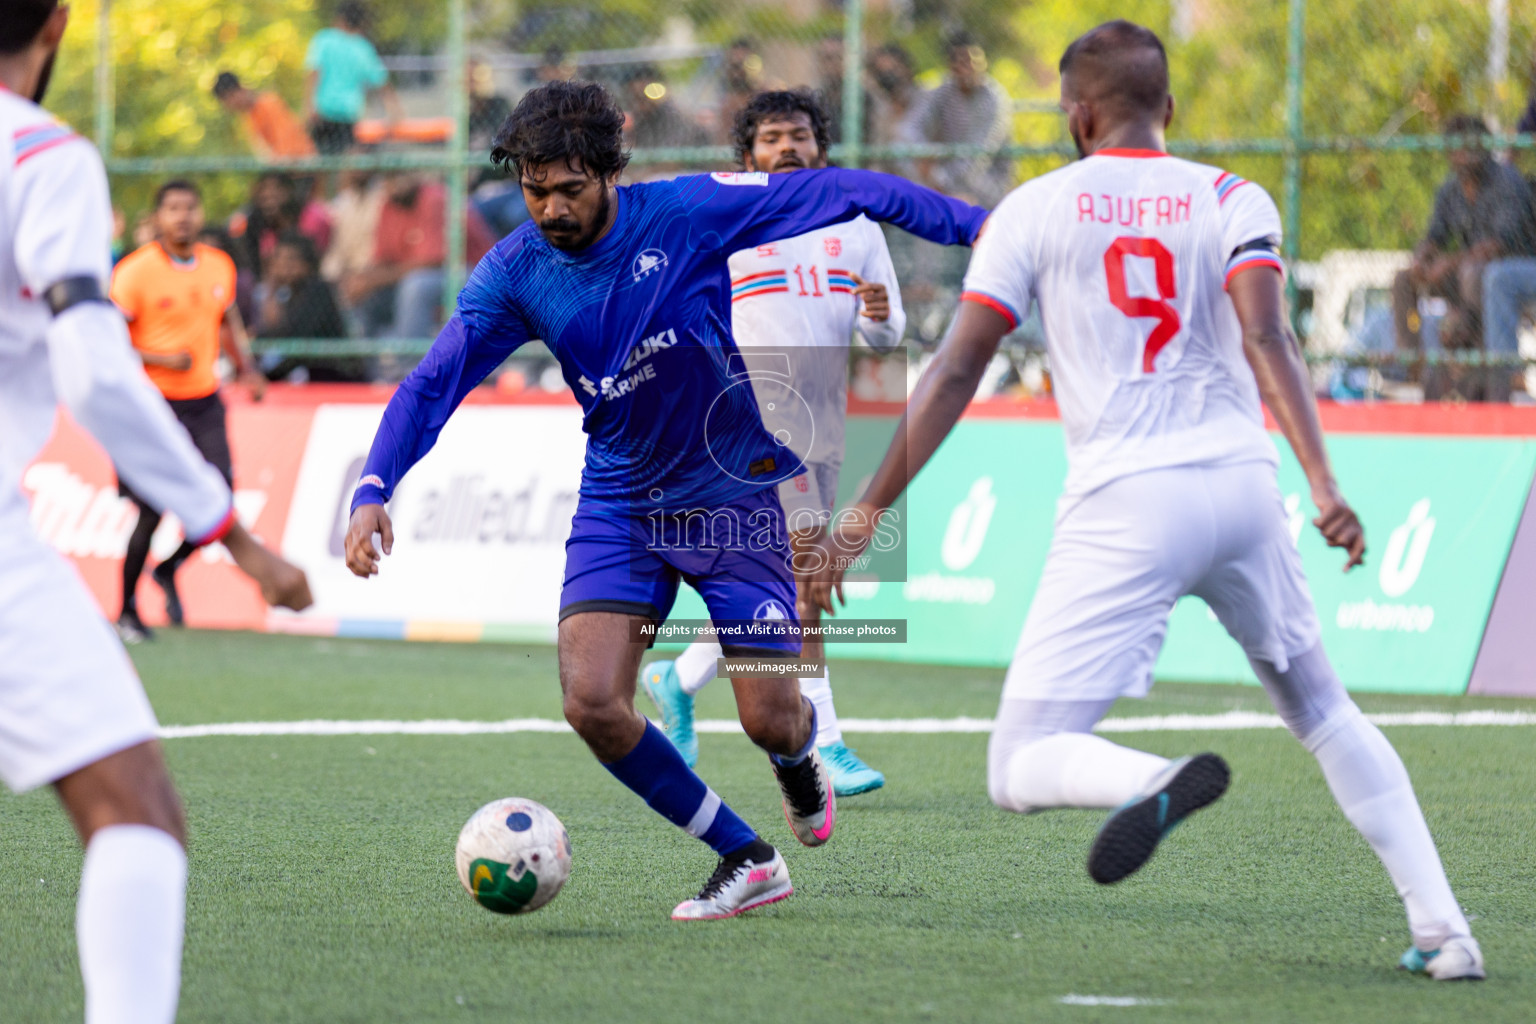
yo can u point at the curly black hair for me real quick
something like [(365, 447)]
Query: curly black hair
[(778, 105), (578, 123), (23, 20)]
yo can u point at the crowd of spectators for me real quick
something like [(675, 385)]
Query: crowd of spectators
[(1473, 273), (363, 255)]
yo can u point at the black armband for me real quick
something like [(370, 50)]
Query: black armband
[(1269, 243), (72, 291)]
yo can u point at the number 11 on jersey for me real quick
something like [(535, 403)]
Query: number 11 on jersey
[(1139, 306)]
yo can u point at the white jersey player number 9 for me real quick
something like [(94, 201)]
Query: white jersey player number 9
[(1128, 253)]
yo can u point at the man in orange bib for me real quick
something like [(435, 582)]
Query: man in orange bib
[(178, 296)]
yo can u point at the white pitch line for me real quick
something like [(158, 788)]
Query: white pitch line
[(1226, 721), (1074, 999)]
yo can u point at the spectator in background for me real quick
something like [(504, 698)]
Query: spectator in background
[(741, 78), (487, 108), (344, 68), (968, 107), (1482, 219), (273, 131), (402, 291), (894, 99), (1528, 117), (496, 196), (275, 210), (354, 221), (830, 65), (293, 301), (555, 66), (119, 228), (144, 230), (655, 120)]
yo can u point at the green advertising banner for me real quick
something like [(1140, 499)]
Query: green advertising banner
[(1440, 514)]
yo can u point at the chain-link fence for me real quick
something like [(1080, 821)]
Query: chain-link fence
[(354, 217)]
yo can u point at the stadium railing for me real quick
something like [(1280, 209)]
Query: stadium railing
[(1331, 105)]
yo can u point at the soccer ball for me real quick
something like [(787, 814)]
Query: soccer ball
[(513, 856)]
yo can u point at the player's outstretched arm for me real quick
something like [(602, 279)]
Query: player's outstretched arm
[(99, 380), (366, 522), (477, 339), (937, 402), (61, 212), (740, 211), (1258, 294), (283, 584)]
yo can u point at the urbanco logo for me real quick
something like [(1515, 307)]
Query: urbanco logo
[(968, 525), (1407, 548)]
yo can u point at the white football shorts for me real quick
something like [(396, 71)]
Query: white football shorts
[(809, 498), (69, 696), (1124, 554)]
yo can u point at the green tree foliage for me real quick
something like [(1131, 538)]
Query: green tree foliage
[(1371, 70)]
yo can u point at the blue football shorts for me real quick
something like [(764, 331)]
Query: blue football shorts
[(736, 555)]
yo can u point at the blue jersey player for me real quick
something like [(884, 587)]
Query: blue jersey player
[(629, 288)]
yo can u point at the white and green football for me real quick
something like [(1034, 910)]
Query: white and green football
[(513, 856)]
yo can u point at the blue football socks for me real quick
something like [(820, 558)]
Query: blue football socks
[(657, 772)]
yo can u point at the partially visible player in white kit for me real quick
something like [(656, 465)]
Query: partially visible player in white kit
[(801, 299), (72, 711), (1171, 485)]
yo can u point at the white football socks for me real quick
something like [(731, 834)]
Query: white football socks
[(1371, 785), (818, 690), (695, 667), (128, 923), (1073, 769)]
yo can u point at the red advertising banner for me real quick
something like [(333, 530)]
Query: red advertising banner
[(296, 453), (76, 508)]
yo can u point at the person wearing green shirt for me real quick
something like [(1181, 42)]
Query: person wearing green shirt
[(344, 68)]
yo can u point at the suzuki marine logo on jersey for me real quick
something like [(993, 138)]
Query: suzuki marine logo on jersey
[(741, 177), (647, 263)]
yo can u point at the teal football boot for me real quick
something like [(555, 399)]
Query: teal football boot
[(1132, 831), (666, 691), (850, 775), (1459, 959)]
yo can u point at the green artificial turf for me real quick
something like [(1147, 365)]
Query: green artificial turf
[(322, 885)]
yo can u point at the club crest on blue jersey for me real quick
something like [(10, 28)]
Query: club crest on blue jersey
[(770, 610), (647, 263)]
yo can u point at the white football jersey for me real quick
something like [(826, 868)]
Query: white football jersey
[(1128, 253), (796, 296), (56, 224)]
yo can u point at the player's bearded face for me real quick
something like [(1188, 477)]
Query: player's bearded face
[(571, 214), (786, 144)]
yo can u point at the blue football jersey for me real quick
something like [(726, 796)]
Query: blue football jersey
[(640, 323)]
